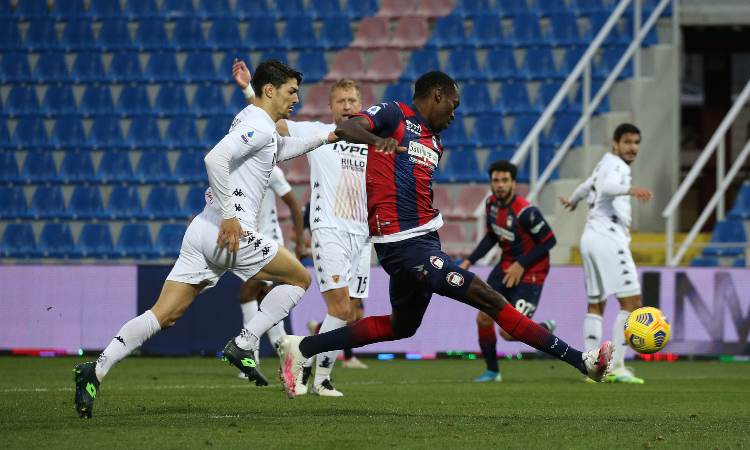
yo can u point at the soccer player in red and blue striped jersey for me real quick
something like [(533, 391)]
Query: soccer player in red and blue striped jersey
[(403, 156)]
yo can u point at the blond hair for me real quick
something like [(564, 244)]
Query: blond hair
[(344, 84)]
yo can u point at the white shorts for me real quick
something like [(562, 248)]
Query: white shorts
[(608, 265), (200, 260), (342, 259)]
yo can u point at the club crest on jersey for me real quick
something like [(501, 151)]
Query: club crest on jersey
[(247, 136), (436, 262), (455, 279), (413, 127)]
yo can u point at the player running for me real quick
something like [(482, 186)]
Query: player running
[(605, 244), (338, 221), (225, 237), (403, 226), (525, 239)]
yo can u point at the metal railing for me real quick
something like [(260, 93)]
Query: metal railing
[(723, 179), (583, 69)]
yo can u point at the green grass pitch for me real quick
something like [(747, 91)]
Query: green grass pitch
[(542, 404)]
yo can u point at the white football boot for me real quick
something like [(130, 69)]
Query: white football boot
[(326, 389), (353, 363), (291, 364), (597, 361)]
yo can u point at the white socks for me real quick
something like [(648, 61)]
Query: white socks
[(249, 310), (618, 340), (592, 331), (275, 333), (326, 360), (131, 336), (276, 306)]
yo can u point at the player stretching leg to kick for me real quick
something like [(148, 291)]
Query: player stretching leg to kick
[(403, 225), (605, 244), (252, 292), (525, 239), (224, 237), (338, 220)]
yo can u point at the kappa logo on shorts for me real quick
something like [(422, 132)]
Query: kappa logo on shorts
[(455, 279), (436, 262)]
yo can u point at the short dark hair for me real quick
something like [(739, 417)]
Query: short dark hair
[(625, 128), (274, 72), (503, 166), (431, 80)]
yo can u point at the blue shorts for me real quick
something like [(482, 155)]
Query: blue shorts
[(524, 296), (419, 268)]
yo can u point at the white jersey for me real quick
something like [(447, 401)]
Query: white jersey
[(607, 193), (337, 178), (268, 218), (239, 166)]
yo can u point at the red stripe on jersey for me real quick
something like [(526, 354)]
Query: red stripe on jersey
[(380, 180)]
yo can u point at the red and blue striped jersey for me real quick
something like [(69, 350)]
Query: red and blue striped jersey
[(399, 186), (519, 228)]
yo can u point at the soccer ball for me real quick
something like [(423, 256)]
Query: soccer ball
[(647, 330)]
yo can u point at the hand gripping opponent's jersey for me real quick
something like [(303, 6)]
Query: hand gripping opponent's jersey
[(399, 186)]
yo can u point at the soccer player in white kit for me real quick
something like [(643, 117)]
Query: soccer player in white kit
[(605, 245), (225, 237), (338, 220)]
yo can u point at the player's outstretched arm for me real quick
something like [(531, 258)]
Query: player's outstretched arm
[(357, 130), (241, 76), (292, 147)]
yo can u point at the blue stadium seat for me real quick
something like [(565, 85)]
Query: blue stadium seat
[(12, 202), (95, 241), (9, 167), (401, 92), (30, 134), (59, 101), (299, 34), (215, 9), (177, 8), (15, 67), (114, 167), (326, 9), (162, 67), (125, 67), (562, 126), (6, 10), (281, 55), (199, 67), (237, 101), (67, 134), (449, 32), (577, 104), (261, 35), (18, 241), (727, 232), (650, 5), (462, 167), (615, 36), (51, 67), (195, 201), (141, 9), (333, 36), (134, 241), (488, 31), (77, 167), (260, 10), (313, 65), (514, 7), (171, 101), (97, 100), (105, 10), (476, 99), (114, 34), (513, 99), (420, 61), (739, 262), (124, 203), (704, 262), (151, 35), (188, 34), (588, 7), (169, 240), (741, 206), (152, 167), (357, 9), (572, 56), (42, 35), (209, 100), (521, 127), (216, 128), (133, 101), (88, 67), (463, 66), (22, 101), (182, 134), (609, 60), (4, 135), (161, 203), (190, 168), (78, 35), (540, 64), (551, 7), (455, 136), (224, 34), (295, 9), (33, 9), (86, 203), (500, 65), (469, 9), (489, 131), (547, 92), (526, 31), (47, 203), (497, 155), (106, 134), (564, 30), (652, 37), (70, 10), (144, 134)]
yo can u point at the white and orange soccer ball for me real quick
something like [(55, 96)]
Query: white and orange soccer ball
[(647, 330)]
